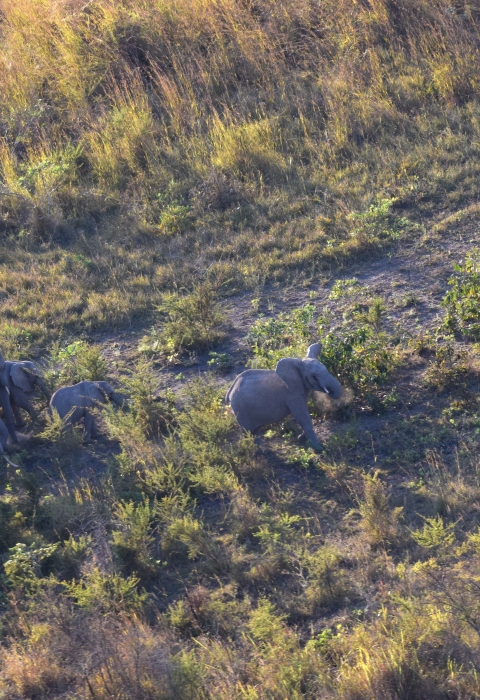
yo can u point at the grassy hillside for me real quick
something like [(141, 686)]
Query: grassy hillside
[(190, 188)]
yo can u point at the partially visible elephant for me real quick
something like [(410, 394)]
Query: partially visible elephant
[(259, 396), (5, 402), (21, 379), (3, 444), (72, 402)]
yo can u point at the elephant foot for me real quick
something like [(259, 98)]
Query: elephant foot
[(315, 446)]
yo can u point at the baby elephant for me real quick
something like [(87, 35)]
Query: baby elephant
[(3, 444), (21, 379), (261, 396), (73, 402)]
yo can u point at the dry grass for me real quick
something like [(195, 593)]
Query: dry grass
[(142, 144)]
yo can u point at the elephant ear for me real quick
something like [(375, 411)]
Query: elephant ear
[(20, 378), (289, 369)]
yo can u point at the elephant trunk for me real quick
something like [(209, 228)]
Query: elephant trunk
[(2, 454), (43, 388), (333, 388), (116, 398)]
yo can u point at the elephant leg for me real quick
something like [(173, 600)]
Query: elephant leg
[(19, 400), (301, 414), (7, 413), (90, 428), (19, 422)]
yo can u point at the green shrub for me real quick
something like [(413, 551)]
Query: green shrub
[(378, 224), (360, 357), (462, 301), (192, 321), (435, 534), (379, 520), (23, 566), (285, 335), (79, 361), (132, 539), (106, 592), (66, 438), (150, 404)]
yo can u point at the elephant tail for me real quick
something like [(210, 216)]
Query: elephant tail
[(226, 400), (2, 454)]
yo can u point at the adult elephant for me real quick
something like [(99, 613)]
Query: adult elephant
[(5, 402), (258, 396), (21, 379), (72, 403)]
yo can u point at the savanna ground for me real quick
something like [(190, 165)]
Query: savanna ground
[(190, 188)]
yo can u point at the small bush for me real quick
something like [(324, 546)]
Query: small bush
[(379, 520), (67, 438), (285, 335), (132, 539), (106, 592), (79, 361), (150, 411), (360, 357), (192, 322), (462, 301)]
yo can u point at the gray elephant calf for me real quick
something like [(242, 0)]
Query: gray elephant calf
[(73, 402), (260, 396), (3, 444), (21, 379)]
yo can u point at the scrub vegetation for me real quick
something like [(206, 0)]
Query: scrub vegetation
[(163, 166)]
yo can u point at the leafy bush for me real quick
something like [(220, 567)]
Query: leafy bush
[(23, 566), (462, 301), (192, 322), (106, 592), (132, 539), (379, 520), (359, 355), (284, 335), (150, 404), (79, 361), (377, 224), (65, 437)]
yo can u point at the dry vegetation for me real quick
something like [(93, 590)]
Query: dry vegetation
[(157, 159)]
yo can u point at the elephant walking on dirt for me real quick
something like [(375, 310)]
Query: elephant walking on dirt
[(259, 396), (72, 403), (21, 380)]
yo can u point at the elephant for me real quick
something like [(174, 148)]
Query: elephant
[(3, 444), (72, 403), (259, 396), (21, 379), (5, 402)]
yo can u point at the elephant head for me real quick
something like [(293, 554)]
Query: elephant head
[(23, 375), (308, 374), (108, 393)]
